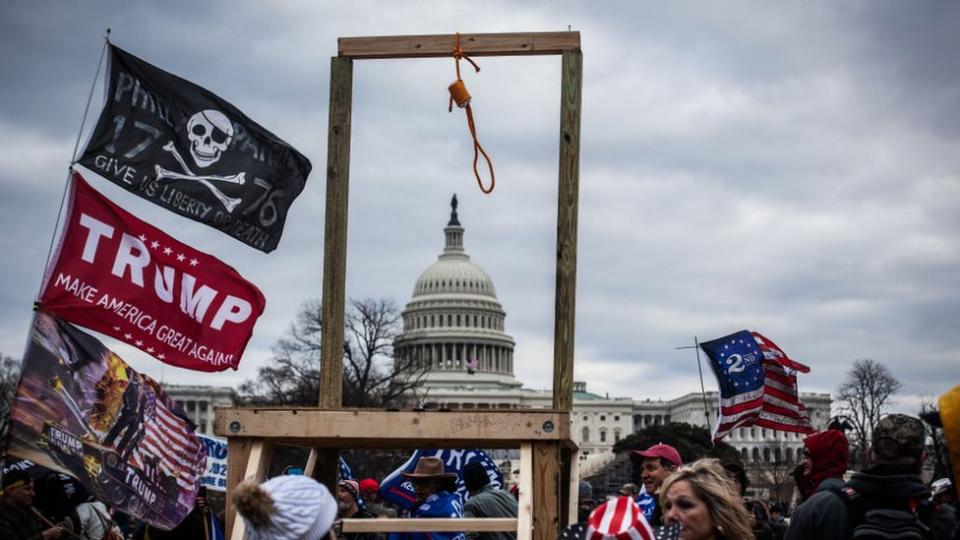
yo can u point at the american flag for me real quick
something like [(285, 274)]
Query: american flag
[(755, 386), (169, 445), (782, 409)]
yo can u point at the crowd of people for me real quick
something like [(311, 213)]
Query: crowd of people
[(887, 499), (706, 499), (667, 498)]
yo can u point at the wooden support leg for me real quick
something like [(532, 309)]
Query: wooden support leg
[(311, 465), (238, 448), (525, 488), (572, 468), (568, 486), (546, 494), (327, 468), (257, 454)]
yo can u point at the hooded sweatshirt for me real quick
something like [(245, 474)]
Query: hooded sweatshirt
[(829, 453)]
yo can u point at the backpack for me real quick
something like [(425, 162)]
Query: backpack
[(870, 520)]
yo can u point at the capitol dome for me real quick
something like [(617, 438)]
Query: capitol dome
[(453, 326)]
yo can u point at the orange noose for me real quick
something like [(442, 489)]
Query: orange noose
[(459, 94)]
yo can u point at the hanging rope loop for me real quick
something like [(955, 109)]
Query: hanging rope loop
[(460, 96)]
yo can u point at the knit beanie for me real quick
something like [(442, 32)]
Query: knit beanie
[(352, 487), (285, 508)]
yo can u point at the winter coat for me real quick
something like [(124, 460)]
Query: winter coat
[(824, 516)]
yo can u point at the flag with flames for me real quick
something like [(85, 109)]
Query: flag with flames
[(82, 411)]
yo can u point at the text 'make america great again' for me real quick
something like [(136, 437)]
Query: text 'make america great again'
[(121, 276)]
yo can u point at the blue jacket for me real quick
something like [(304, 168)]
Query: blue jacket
[(441, 504)]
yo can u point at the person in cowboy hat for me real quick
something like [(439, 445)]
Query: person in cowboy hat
[(436, 498)]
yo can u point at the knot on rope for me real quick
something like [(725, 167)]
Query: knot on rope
[(460, 96)]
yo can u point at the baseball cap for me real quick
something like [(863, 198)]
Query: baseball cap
[(898, 436), (658, 450), (369, 485)]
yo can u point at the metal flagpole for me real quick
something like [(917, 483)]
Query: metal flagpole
[(703, 391), (76, 146)]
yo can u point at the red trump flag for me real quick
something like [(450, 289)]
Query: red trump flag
[(118, 275)]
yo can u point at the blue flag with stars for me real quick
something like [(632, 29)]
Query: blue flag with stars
[(736, 361)]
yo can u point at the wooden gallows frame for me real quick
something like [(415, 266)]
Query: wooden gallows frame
[(548, 456)]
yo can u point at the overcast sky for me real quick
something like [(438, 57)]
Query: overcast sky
[(791, 168)]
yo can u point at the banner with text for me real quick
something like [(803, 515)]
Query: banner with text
[(180, 146), (81, 410), (215, 475), (121, 276)]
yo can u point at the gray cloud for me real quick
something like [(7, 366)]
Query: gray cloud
[(785, 168)]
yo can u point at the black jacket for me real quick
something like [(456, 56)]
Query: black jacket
[(824, 516), (18, 525)]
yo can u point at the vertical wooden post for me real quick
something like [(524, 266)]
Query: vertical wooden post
[(569, 483), (335, 252), (572, 475), (525, 493), (335, 231), (546, 491), (238, 448), (569, 185), (257, 463)]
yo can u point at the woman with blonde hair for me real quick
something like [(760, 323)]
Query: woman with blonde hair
[(704, 501)]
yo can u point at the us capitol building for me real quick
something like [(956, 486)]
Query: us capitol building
[(454, 330)]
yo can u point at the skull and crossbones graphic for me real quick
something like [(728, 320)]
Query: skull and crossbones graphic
[(209, 133)]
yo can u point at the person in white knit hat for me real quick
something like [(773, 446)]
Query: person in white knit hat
[(286, 508)]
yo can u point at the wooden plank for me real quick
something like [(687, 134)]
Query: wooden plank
[(546, 491), (386, 525), (328, 468), (311, 465), (335, 231), (573, 487), (325, 428), (567, 202), (238, 448), (258, 462), (440, 45), (525, 492)]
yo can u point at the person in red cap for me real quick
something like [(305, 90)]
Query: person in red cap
[(653, 466), (370, 490)]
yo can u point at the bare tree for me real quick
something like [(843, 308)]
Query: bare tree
[(774, 472), (863, 397), (9, 376), (937, 456), (372, 377)]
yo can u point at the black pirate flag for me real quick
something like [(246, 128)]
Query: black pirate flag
[(189, 151)]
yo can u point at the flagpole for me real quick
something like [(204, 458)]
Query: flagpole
[(86, 109), (76, 146), (703, 391)]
